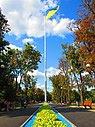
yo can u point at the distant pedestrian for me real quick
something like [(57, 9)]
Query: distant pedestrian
[(77, 103)]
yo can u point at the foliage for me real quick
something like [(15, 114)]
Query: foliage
[(93, 95), (75, 96), (58, 83), (47, 118), (30, 58), (14, 63), (39, 95), (85, 45), (90, 95), (4, 28), (85, 35)]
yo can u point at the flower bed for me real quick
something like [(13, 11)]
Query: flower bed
[(46, 117)]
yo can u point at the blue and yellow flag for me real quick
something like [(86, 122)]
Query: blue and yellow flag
[(52, 12)]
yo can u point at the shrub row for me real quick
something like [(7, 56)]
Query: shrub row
[(46, 117)]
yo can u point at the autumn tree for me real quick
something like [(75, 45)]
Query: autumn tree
[(73, 69), (85, 35)]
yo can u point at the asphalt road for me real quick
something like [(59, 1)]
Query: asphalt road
[(78, 116)]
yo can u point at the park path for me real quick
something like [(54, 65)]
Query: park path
[(16, 117), (79, 116)]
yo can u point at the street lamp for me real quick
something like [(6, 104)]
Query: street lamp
[(61, 94), (87, 65), (91, 71), (2, 66)]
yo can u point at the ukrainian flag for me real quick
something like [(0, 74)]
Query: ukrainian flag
[(52, 12)]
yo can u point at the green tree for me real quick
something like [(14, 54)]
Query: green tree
[(31, 89), (29, 62), (7, 78), (22, 63), (75, 96), (4, 28), (93, 95), (59, 86), (39, 95)]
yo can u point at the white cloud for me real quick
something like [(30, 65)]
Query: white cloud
[(30, 40), (52, 71), (14, 47), (26, 17), (37, 74), (62, 27), (39, 85)]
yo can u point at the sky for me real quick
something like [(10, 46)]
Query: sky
[(26, 20)]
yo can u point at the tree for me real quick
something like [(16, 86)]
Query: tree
[(14, 63), (30, 58), (85, 35), (75, 96), (75, 69), (7, 78), (4, 28), (22, 63), (31, 90), (92, 92), (4, 56), (39, 95), (29, 62), (59, 87)]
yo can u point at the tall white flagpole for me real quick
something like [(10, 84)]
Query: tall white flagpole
[(45, 60), (45, 51)]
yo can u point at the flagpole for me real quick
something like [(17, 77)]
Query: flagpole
[(51, 13), (45, 60)]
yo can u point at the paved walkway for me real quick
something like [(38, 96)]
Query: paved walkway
[(16, 117), (78, 116)]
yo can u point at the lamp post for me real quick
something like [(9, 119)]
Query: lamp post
[(91, 71), (87, 65), (2, 66), (61, 94)]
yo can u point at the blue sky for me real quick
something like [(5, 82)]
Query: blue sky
[(26, 20)]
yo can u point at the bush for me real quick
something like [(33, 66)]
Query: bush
[(47, 118)]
